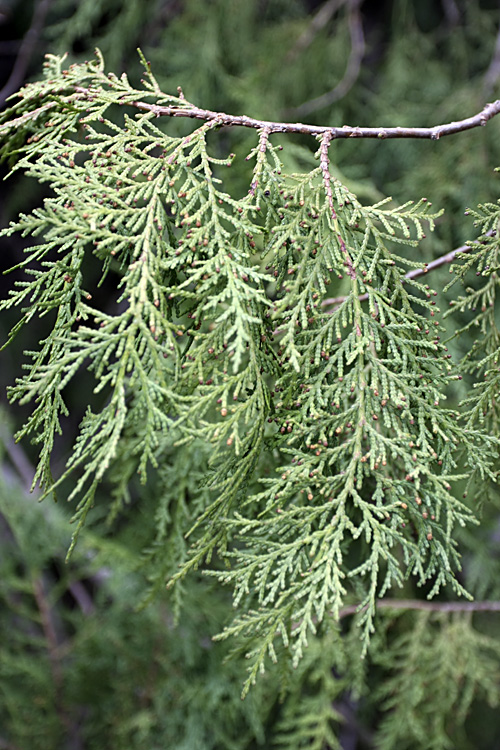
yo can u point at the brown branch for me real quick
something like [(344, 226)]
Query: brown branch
[(493, 73), (19, 459), (417, 604), (71, 728), (82, 596), (414, 273), (352, 70), (26, 471), (26, 50), (318, 22), (451, 12), (243, 121), (52, 642), (346, 131), (441, 261), (7, 745)]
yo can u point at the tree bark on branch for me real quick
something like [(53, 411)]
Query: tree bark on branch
[(346, 131)]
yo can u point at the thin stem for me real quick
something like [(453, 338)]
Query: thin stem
[(413, 274), (493, 72), (346, 131), (222, 119), (324, 161), (417, 604), (71, 728), (51, 640), (352, 70), (318, 22), (26, 50)]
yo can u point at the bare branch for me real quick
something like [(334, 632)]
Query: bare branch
[(451, 12), (352, 70), (23, 465), (49, 632), (417, 604), (6, 745), (53, 645), (346, 131), (318, 22), (493, 73), (26, 50)]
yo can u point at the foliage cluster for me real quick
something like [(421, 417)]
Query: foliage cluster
[(273, 404)]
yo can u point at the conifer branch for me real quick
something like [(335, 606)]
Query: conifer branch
[(228, 414), (415, 273), (181, 107), (324, 459), (325, 171), (346, 131), (426, 606)]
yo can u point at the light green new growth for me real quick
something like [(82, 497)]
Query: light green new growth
[(320, 462)]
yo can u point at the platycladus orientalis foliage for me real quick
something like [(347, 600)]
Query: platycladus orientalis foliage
[(325, 453)]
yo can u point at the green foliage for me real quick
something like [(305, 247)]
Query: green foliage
[(482, 359), (262, 382), (79, 661), (440, 666), (311, 714), (353, 393), (76, 660)]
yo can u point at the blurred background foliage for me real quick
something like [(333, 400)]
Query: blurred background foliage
[(82, 665)]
